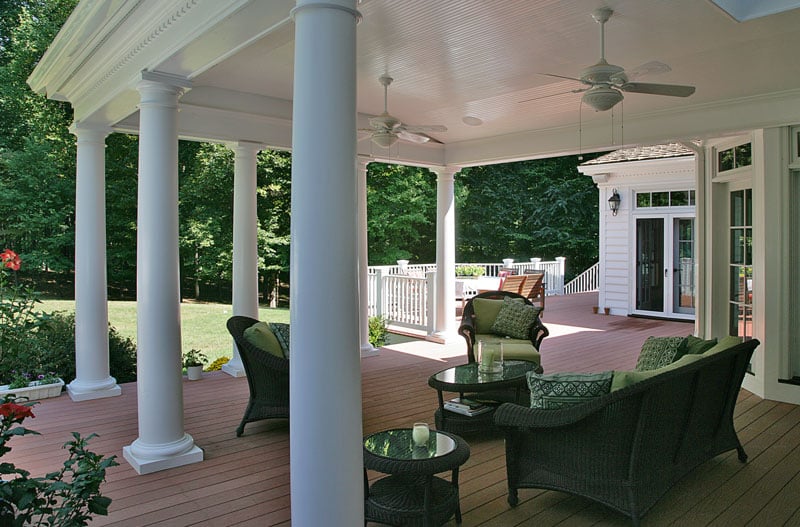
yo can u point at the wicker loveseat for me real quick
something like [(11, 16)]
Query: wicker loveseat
[(626, 448), (477, 320), (267, 375)]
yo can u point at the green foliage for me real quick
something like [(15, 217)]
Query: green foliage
[(68, 497), (470, 270), (401, 214), (194, 357), (377, 331)]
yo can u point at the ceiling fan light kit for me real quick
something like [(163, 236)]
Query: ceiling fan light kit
[(601, 98)]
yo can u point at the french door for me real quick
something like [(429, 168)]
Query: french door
[(665, 266)]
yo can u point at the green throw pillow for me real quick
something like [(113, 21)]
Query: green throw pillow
[(260, 336), (557, 390), (698, 346), (657, 352), (515, 319), (486, 310), (723, 344), (281, 332), (623, 379)]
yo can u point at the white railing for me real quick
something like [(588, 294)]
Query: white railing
[(405, 294), (585, 282)]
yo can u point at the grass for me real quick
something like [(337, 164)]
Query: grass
[(202, 324)]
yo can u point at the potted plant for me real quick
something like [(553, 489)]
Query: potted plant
[(193, 361), (469, 271)]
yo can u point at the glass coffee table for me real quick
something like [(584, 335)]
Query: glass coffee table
[(411, 494), (505, 386)]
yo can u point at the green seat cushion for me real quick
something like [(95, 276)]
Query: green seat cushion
[(657, 352), (260, 336), (486, 310), (723, 344), (623, 379), (281, 332), (513, 349), (697, 346), (557, 390), (515, 319)]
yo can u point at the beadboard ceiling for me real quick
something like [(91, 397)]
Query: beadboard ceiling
[(479, 59)]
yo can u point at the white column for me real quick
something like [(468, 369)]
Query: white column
[(92, 374), (445, 324), (162, 442), (327, 486), (367, 349), (245, 242)]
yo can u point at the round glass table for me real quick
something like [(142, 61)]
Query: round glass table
[(490, 388), (411, 494)]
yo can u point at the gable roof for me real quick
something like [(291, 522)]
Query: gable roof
[(642, 153)]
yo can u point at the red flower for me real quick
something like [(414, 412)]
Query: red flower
[(15, 411), (10, 259)]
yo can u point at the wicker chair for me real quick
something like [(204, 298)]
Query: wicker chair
[(267, 376)]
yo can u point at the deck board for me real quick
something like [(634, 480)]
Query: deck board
[(245, 481)]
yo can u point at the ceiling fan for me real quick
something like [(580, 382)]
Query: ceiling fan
[(606, 82), (386, 129)]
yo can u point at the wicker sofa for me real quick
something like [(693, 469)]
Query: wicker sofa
[(478, 317), (626, 448)]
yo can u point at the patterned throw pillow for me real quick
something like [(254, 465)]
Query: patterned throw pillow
[(657, 352), (515, 319), (557, 390), (281, 332)]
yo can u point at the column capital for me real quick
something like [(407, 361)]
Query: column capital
[(445, 172), (341, 5), (157, 83), (246, 147), (89, 131)]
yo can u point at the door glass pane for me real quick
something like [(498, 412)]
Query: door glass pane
[(747, 244), (683, 272), (737, 246), (737, 208), (741, 268), (748, 207), (650, 264)]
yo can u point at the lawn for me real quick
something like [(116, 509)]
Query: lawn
[(202, 324)]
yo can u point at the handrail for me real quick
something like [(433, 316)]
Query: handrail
[(585, 282)]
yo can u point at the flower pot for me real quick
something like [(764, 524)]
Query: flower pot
[(35, 391), (607, 310), (595, 309), (194, 373)]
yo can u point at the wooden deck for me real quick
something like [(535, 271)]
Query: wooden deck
[(245, 481)]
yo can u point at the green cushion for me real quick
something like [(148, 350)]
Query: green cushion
[(486, 310), (657, 352), (260, 336), (697, 346), (556, 390), (723, 344), (515, 319), (281, 332), (513, 349), (623, 379)]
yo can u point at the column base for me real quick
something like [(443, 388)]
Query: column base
[(233, 369), (368, 350), (146, 459), (86, 391)]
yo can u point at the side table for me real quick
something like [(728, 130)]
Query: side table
[(411, 494)]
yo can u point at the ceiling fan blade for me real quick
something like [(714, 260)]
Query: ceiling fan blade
[(413, 137), (560, 77), (579, 90), (425, 128), (653, 67), (673, 90)]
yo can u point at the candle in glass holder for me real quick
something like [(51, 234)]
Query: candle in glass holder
[(420, 434)]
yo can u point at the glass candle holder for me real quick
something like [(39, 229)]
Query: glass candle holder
[(420, 434)]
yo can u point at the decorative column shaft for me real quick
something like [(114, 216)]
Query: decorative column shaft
[(326, 452), (367, 349), (445, 325), (92, 373), (245, 242), (162, 442)]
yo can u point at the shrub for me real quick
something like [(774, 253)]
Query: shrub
[(377, 331), (470, 270)]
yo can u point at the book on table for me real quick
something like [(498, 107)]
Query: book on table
[(468, 407)]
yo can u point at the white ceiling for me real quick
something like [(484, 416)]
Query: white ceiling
[(449, 60)]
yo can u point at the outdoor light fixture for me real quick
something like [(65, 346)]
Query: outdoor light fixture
[(614, 201)]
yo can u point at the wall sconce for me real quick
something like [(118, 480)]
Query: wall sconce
[(614, 201)]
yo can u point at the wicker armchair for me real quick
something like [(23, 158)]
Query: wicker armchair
[(468, 328), (267, 376)]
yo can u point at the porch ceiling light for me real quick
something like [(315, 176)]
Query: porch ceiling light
[(602, 98), (614, 201), (384, 139)]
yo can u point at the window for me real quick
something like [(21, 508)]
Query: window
[(735, 157), (674, 198), (741, 264)]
